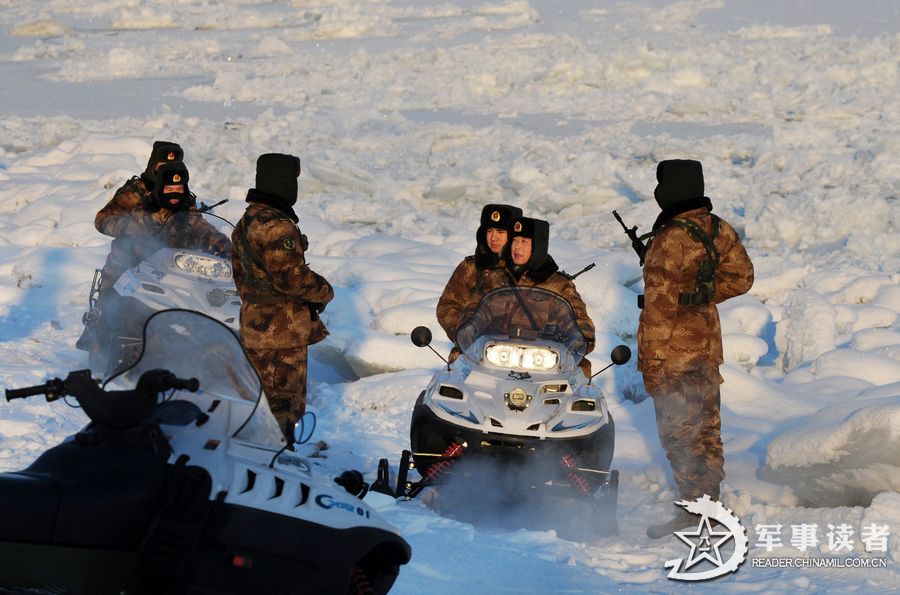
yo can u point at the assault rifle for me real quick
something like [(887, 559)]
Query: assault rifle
[(636, 242), (584, 270)]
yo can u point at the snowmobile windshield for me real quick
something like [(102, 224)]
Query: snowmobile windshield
[(521, 315), (189, 230), (192, 345)]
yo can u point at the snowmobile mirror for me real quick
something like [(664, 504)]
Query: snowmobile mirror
[(620, 355), (421, 336)]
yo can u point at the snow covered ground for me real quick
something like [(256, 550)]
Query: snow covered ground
[(409, 115)]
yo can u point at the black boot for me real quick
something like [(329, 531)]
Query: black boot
[(682, 520)]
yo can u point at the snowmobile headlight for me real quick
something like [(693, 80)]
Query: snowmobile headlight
[(203, 266), (518, 356), (539, 359), (499, 355)]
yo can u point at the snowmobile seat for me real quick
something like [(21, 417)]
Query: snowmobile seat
[(28, 506), (97, 495)]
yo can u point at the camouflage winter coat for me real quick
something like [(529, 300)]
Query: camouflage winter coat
[(680, 338), (467, 285), (138, 233), (280, 294), (562, 285)]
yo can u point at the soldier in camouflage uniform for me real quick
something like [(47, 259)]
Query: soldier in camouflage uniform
[(123, 217), (140, 210), (531, 265), (281, 296), (149, 212), (694, 261), (477, 274)]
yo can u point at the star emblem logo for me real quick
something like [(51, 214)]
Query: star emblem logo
[(704, 543)]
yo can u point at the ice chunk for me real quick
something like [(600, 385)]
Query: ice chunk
[(809, 329), (883, 515), (843, 456), (871, 367), (744, 314), (743, 350)]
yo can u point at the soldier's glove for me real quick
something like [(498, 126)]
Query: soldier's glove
[(149, 203)]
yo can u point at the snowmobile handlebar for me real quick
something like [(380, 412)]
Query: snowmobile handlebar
[(150, 383), (54, 389), (188, 384), (117, 409), (161, 380)]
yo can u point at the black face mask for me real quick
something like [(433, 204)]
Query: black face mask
[(170, 189), (174, 199)]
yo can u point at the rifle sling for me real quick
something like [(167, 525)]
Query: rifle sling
[(697, 297)]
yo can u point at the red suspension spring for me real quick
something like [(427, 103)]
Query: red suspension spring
[(452, 451), (578, 482), (359, 583)]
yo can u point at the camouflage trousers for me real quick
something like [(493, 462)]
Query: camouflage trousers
[(283, 375), (689, 424)]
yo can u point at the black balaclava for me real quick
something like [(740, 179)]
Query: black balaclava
[(276, 182), (170, 188), (541, 265), (163, 152), (499, 216), (680, 188)]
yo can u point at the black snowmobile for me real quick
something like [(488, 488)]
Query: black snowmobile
[(182, 482)]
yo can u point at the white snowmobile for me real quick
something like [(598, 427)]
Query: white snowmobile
[(517, 395), (168, 278), (172, 491)]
